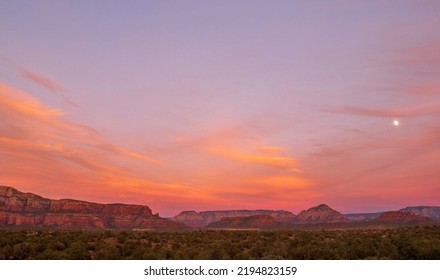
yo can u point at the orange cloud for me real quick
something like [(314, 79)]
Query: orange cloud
[(24, 111), (287, 163), (31, 129), (17, 103)]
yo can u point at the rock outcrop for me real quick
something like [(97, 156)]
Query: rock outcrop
[(195, 219), (27, 209), (432, 212), (320, 214), (246, 222)]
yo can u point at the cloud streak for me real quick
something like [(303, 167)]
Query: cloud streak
[(41, 80), (281, 162)]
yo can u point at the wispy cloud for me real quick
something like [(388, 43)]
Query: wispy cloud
[(41, 80), (34, 132), (123, 152)]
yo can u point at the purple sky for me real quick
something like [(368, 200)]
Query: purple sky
[(222, 104)]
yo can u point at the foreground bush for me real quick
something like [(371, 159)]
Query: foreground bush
[(398, 243)]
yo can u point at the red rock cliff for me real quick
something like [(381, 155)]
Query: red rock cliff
[(27, 209)]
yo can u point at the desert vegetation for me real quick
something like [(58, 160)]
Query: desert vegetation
[(395, 243)]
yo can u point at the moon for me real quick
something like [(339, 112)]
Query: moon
[(396, 123)]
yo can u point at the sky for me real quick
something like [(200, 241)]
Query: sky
[(210, 105)]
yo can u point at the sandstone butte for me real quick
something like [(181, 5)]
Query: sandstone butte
[(30, 210), (320, 214)]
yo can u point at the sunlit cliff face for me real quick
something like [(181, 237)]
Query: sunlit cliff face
[(189, 106)]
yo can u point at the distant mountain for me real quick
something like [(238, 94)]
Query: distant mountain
[(30, 210), (320, 214), (401, 217), (432, 212), (363, 216), (201, 219), (244, 222)]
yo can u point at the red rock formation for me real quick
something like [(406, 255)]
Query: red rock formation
[(320, 214), (248, 222), (194, 219), (27, 209), (400, 217)]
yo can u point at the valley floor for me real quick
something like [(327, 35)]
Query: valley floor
[(396, 243)]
